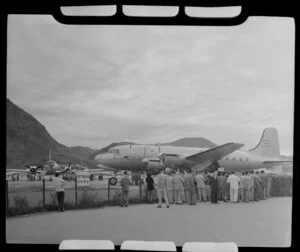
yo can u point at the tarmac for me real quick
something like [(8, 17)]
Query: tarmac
[(264, 223)]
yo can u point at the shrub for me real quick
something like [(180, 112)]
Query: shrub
[(91, 200), (281, 185), (21, 203)]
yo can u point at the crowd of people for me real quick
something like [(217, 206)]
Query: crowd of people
[(189, 187)]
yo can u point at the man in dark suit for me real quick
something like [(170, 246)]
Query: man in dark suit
[(189, 182), (214, 188)]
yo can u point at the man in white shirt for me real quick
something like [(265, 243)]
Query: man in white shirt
[(170, 188), (59, 184), (233, 181), (161, 189)]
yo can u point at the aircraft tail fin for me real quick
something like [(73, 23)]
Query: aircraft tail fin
[(268, 144)]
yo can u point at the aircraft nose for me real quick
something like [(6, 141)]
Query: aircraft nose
[(104, 158)]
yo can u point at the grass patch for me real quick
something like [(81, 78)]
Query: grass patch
[(89, 200)]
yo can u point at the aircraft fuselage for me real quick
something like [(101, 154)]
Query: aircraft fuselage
[(130, 157)]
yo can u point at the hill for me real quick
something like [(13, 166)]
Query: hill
[(28, 141), (192, 142)]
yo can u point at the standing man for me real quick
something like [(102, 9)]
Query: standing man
[(201, 186), (251, 182), (125, 182), (219, 181), (269, 179), (59, 184), (189, 182), (170, 188), (233, 180), (207, 185), (179, 188), (257, 188), (214, 188), (246, 187), (264, 179), (162, 189), (225, 188), (242, 186), (150, 188)]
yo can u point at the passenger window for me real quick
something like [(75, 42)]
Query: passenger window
[(241, 159), (233, 159)]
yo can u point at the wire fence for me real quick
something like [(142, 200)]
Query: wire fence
[(32, 196), (24, 197)]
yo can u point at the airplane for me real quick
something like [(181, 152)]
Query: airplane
[(41, 170), (37, 170), (138, 157)]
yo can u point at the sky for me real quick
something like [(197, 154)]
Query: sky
[(94, 85)]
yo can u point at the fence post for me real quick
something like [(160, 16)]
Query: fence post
[(108, 191), (76, 192), (44, 193), (7, 199)]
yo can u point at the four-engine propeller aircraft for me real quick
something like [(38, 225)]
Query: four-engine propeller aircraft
[(137, 157)]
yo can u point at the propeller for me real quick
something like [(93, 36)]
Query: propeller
[(33, 168)]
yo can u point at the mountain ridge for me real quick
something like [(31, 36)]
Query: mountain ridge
[(28, 141)]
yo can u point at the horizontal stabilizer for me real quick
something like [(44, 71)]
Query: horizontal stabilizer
[(215, 154)]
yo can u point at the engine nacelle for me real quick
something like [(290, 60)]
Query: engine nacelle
[(152, 163), (171, 160)]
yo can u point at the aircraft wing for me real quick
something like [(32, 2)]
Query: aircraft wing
[(278, 162), (16, 171), (214, 154)]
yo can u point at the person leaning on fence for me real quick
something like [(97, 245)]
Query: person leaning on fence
[(59, 184), (125, 183), (162, 189)]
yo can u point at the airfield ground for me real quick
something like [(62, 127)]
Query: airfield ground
[(265, 224)]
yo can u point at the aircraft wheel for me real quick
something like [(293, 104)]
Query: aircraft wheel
[(113, 181)]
